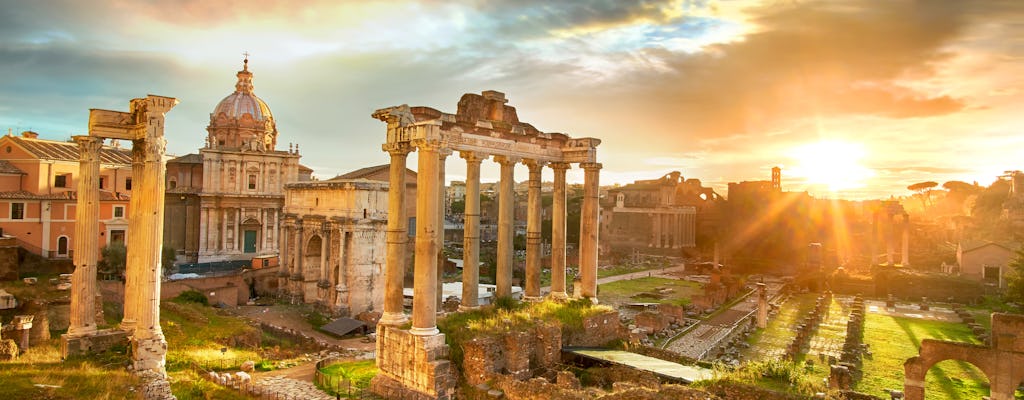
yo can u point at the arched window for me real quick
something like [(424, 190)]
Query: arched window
[(62, 246)]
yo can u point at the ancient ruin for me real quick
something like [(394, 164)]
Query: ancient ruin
[(413, 363), (1002, 362), (144, 126)]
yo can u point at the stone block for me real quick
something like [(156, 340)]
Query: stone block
[(98, 342)]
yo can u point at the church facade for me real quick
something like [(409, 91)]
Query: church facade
[(226, 202)]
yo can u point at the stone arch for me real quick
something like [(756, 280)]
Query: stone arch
[(63, 246), (935, 351), (311, 255)]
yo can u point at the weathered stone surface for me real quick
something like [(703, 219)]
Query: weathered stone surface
[(8, 349), (598, 330), (96, 342), (652, 322), (412, 367)]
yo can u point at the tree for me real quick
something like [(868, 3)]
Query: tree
[(458, 207), (924, 190), (113, 259), (1015, 278)]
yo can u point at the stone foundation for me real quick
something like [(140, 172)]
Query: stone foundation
[(518, 355), (148, 354), (412, 367), (97, 342)]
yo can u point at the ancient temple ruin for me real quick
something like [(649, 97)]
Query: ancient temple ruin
[(143, 125), (413, 362)]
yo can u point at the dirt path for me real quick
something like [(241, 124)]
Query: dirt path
[(291, 317), (663, 273)]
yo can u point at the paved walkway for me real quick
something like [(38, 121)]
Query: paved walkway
[(287, 388), (661, 273)]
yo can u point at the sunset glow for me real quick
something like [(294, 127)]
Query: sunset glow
[(834, 164)]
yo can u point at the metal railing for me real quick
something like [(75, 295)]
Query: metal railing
[(334, 384)]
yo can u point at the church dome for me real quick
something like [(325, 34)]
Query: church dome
[(243, 100), (242, 121)]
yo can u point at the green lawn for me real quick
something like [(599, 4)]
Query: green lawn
[(350, 375), (623, 291), (195, 333), (627, 269), (772, 341), (895, 339)]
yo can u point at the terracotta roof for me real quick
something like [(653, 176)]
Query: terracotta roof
[(362, 173), (974, 245), (69, 195), (187, 159), (305, 168), (7, 168), (68, 151)]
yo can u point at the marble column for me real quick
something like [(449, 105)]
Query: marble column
[(87, 227), (148, 344), (589, 230), (323, 252), (471, 233), (655, 231), (442, 155), (558, 214), (424, 312), (397, 237), (532, 289), (134, 238), (506, 208), (298, 270)]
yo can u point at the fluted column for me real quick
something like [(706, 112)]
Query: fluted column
[(397, 236), (532, 289), (424, 317), (133, 237), (323, 252), (506, 199), (588, 230), (656, 230), (149, 347), (442, 155), (87, 226), (471, 233), (558, 214), (203, 223)]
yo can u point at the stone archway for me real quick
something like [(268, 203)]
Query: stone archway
[(1002, 363), (311, 255)]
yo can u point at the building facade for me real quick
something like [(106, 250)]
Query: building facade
[(38, 191), (332, 242), (657, 216), (225, 203)]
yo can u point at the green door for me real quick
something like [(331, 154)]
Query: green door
[(250, 242)]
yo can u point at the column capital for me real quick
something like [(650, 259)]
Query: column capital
[(503, 160), (397, 148), (444, 152), (426, 144), (472, 157), (560, 166), (534, 165), (591, 165), (88, 147)]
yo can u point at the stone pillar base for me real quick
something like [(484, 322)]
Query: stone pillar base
[(558, 296), (148, 354), (95, 342), (412, 367), (533, 299)]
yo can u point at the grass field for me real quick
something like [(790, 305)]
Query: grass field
[(101, 378), (895, 339), (646, 290), (357, 373)]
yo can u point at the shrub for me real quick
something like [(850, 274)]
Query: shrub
[(192, 296)]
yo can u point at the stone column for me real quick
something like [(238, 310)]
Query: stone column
[(532, 289), (424, 312), (656, 228), (323, 252), (134, 238), (87, 227), (149, 346), (890, 232), (442, 155), (284, 263), (762, 305), (471, 233), (905, 250), (203, 223), (588, 230), (506, 199), (397, 237), (558, 214)]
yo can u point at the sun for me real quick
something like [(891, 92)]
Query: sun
[(834, 164)]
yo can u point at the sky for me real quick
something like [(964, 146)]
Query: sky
[(852, 99)]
